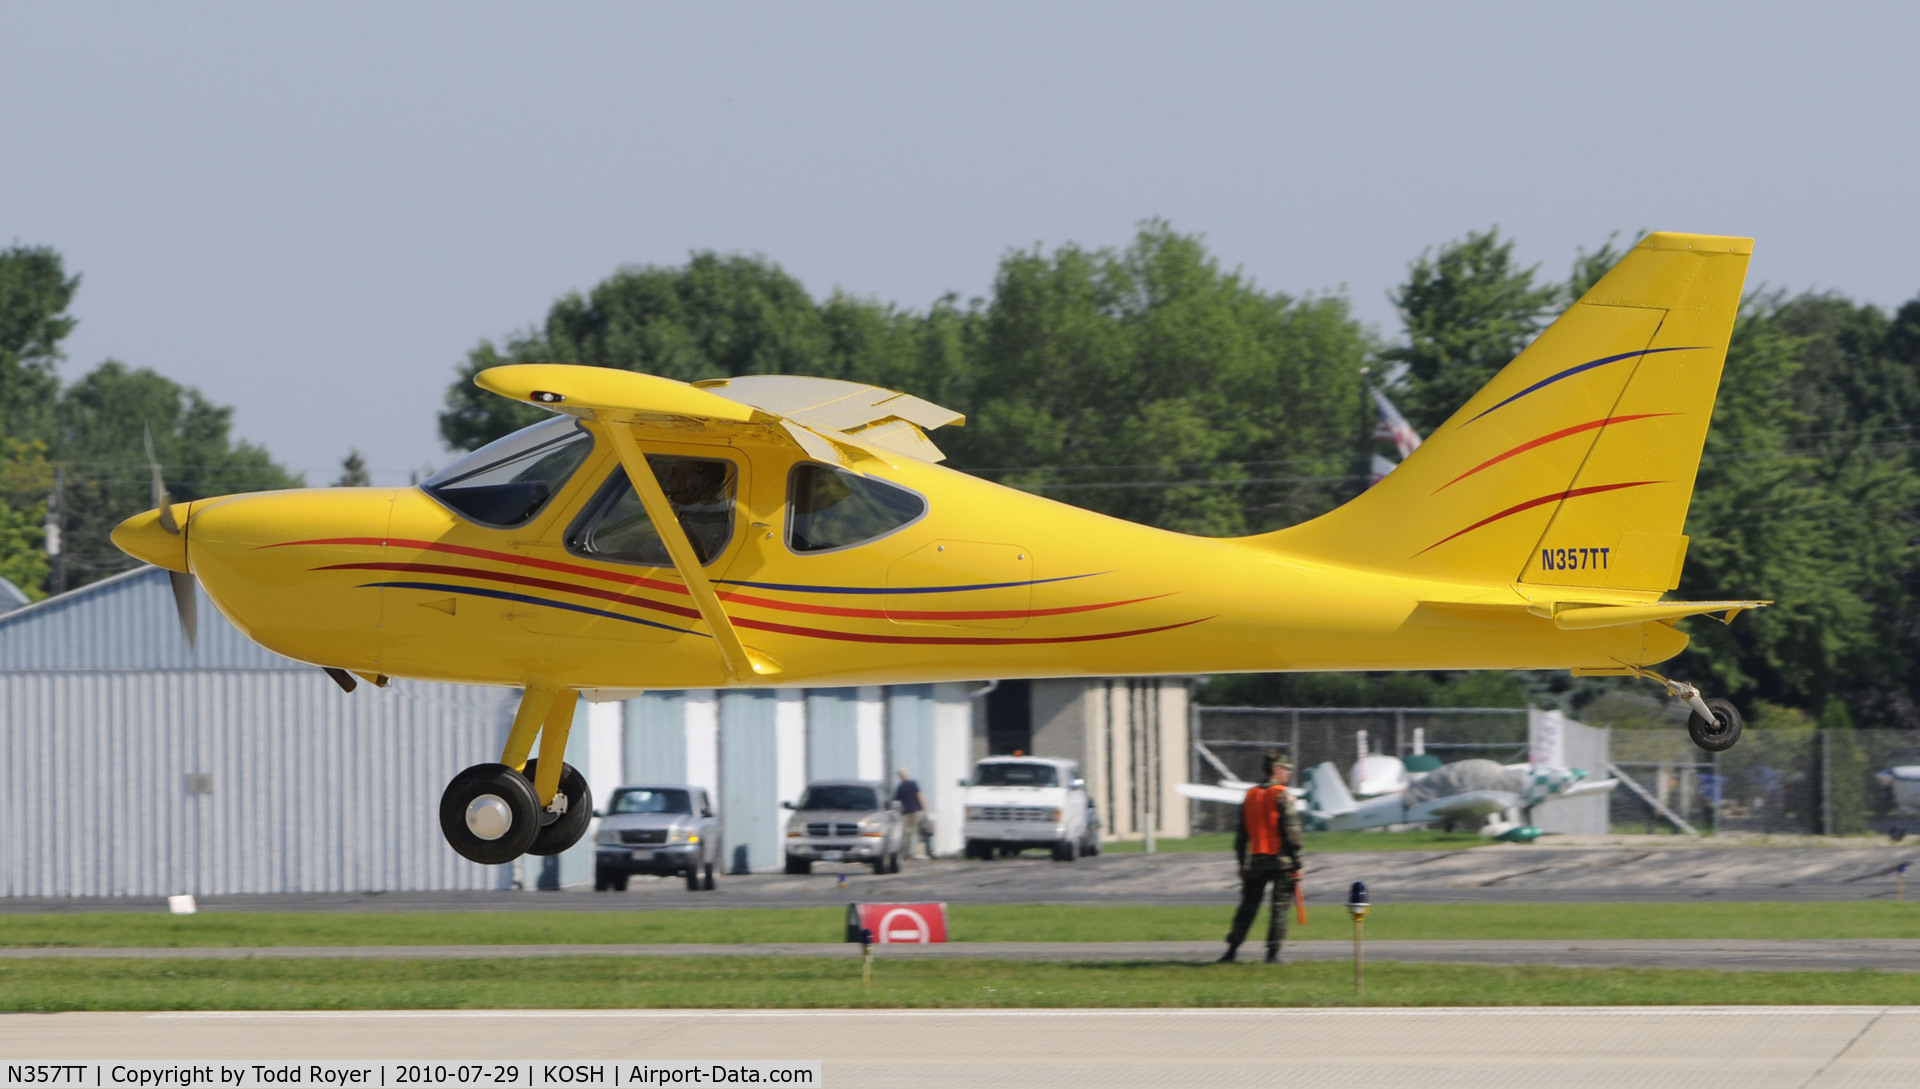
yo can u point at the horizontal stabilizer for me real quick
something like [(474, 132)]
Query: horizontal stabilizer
[(1577, 617)]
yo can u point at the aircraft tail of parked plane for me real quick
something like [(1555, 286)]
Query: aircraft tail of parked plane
[(1326, 792), (1574, 466)]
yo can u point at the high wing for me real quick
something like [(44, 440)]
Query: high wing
[(829, 420)]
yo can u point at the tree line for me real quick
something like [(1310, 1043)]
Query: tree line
[(1149, 382)]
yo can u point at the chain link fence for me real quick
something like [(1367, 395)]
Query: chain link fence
[(1782, 781), (1231, 740)]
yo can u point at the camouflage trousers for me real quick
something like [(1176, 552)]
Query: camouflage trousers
[(1263, 870)]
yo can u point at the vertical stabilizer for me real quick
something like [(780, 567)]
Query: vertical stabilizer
[(1574, 466), (1327, 792)]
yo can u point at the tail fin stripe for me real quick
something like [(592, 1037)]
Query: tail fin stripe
[(1570, 493), (1545, 439), (1587, 366)]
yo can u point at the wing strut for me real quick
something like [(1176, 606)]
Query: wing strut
[(741, 662)]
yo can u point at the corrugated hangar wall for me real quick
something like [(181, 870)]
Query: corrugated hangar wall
[(138, 767)]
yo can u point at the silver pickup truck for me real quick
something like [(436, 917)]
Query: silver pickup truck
[(660, 830), (845, 820)]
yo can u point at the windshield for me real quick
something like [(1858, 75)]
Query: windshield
[(650, 801), (1016, 775), (839, 797), (507, 481)]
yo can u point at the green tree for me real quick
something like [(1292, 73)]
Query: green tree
[(1150, 384), (1783, 509), (353, 471), (24, 479), (98, 436), (34, 294), (715, 317), (1469, 309)]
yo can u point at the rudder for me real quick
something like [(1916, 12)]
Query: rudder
[(1575, 464)]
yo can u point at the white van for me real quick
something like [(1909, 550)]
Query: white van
[(1017, 802)]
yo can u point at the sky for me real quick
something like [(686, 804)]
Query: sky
[(312, 213)]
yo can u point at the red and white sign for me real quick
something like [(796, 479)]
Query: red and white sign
[(905, 922)]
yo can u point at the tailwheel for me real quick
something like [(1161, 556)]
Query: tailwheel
[(1716, 734), (564, 829), (489, 815)]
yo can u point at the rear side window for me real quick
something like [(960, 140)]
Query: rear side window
[(829, 508)]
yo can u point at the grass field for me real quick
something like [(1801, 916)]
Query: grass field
[(1005, 922), (796, 982)]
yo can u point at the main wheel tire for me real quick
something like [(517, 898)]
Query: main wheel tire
[(489, 815), (706, 882), (799, 865), (1067, 852), (559, 833), (1719, 734)]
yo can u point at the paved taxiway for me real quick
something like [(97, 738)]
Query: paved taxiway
[(1569, 1048), (1814, 955), (1676, 870)]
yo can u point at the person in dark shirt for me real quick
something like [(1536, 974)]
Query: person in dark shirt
[(913, 814), (1267, 845)]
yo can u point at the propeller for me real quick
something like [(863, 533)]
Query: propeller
[(186, 601)]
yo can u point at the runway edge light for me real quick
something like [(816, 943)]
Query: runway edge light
[(1357, 905)]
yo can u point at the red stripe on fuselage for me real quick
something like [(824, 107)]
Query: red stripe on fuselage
[(640, 581)]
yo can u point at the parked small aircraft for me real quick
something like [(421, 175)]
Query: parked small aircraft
[(768, 530), (1497, 798)]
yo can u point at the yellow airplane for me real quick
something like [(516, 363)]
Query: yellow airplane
[(773, 530)]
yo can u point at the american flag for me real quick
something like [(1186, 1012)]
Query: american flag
[(1393, 426)]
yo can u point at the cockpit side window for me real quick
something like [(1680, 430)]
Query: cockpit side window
[(830, 508), (614, 526), (509, 480)]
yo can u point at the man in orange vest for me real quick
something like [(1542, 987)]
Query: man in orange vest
[(1268, 847)]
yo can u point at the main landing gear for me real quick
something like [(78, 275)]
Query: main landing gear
[(493, 813), (1714, 724)]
